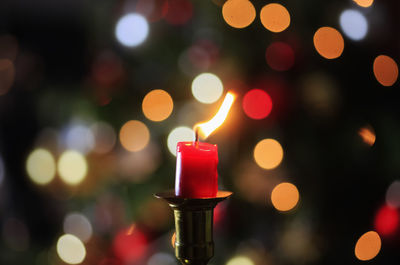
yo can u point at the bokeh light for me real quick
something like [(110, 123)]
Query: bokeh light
[(386, 220), (15, 234), (268, 153), (132, 30), (72, 167), (78, 137), (70, 249), (354, 24), (257, 104), (179, 12), (275, 17), (238, 13), (367, 134), (124, 241), (368, 246), (41, 166), (364, 3), (157, 105), (134, 135), (328, 42), (285, 196), (240, 260), (280, 56), (393, 194), (207, 88), (104, 137), (7, 75), (386, 70), (78, 225), (179, 134)]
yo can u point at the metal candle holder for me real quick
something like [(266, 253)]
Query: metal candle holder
[(194, 243)]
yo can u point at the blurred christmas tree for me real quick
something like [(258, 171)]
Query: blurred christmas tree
[(94, 96)]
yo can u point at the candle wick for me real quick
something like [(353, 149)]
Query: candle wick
[(196, 135)]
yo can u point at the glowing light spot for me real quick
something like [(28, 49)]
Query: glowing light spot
[(240, 260), (134, 135), (393, 194), (104, 137), (79, 137), (268, 153), (364, 3), (125, 239), (78, 225), (368, 246), (280, 56), (179, 12), (41, 166), (367, 134), (386, 70), (72, 167), (206, 128), (70, 249), (257, 104), (7, 75), (157, 105), (132, 30), (238, 13), (386, 220), (173, 238), (207, 88), (179, 134), (354, 24), (328, 42), (285, 196), (275, 17)]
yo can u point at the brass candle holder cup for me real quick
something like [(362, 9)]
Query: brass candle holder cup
[(194, 243)]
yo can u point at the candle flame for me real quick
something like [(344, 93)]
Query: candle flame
[(206, 128)]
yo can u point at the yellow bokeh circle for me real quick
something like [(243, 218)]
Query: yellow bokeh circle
[(385, 70), (364, 3), (72, 167), (268, 153), (70, 249), (157, 105), (368, 246), (328, 42), (238, 13), (285, 196), (134, 135), (207, 88), (275, 17), (41, 166)]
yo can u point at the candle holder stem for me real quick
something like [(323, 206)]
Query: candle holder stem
[(194, 243)]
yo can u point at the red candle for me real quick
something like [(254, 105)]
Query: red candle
[(196, 170)]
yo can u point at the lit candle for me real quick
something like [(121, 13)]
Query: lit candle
[(196, 162)]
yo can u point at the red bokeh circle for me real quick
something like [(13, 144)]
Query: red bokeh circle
[(386, 220), (257, 104)]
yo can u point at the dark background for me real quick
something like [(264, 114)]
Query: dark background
[(342, 181)]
